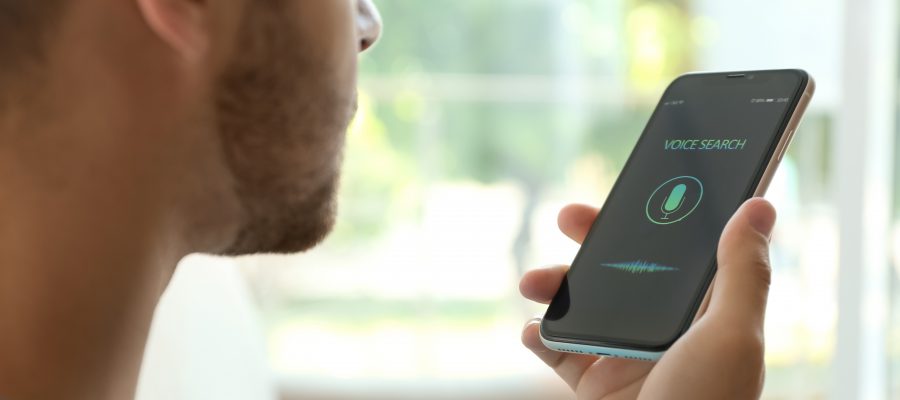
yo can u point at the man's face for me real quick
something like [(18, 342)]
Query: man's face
[(283, 105)]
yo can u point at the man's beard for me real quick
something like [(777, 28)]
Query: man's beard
[(283, 124)]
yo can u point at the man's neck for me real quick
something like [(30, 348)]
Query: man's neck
[(101, 197), (81, 270)]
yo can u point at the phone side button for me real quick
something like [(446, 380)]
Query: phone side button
[(786, 144)]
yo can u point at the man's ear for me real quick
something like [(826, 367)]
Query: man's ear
[(181, 24)]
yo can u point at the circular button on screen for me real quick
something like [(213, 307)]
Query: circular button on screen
[(674, 200)]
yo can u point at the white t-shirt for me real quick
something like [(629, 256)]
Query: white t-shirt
[(206, 341)]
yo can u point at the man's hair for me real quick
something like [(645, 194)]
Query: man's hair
[(25, 26)]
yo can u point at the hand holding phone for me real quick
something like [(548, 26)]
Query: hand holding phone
[(720, 356)]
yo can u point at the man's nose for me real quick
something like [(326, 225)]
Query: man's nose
[(368, 24)]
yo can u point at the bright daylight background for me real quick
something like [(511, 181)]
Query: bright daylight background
[(478, 121)]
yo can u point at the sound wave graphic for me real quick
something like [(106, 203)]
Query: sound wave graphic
[(640, 267)]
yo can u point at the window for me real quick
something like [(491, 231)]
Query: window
[(480, 119)]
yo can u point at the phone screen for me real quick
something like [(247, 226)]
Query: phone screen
[(645, 266)]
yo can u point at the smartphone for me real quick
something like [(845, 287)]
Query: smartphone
[(713, 142)]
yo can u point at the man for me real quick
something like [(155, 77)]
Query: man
[(133, 133)]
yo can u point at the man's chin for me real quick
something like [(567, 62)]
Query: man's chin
[(294, 232), (291, 242)]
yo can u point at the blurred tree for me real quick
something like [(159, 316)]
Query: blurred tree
[(660, 43), (551, 43)]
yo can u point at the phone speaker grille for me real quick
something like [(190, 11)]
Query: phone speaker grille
[(607, 355)]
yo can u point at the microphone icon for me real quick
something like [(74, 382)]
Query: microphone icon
[(673, 201), (683, 196)]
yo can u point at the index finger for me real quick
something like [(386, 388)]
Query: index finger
[(540, 285), (575, 220)]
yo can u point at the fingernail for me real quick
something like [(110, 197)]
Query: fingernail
[(533, 321)]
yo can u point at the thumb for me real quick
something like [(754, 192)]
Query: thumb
[(742, 281)]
